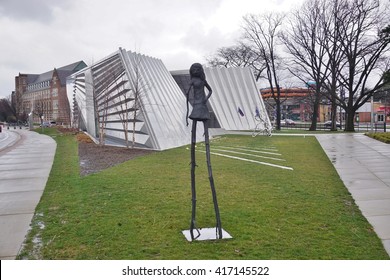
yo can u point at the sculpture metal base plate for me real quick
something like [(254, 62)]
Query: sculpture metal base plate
[(206, 234)]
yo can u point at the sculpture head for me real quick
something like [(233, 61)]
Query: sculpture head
[(196, 70)]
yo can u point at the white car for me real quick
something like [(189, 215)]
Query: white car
[(328, 124), (287, 122)]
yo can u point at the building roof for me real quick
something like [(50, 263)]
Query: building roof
[(31, 78), (63, 72)]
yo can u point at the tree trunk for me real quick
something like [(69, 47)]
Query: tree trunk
[(350, 121), (133, 136), (278, 114), (134, 120), (316, 104), (334, 114), (126, 125)]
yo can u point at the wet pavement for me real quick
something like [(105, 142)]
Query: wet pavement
[(8, 138), (26, 158), (364, 166)]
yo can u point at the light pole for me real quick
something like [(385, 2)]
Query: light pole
[(30, 121), (342, 96), (385, 125)]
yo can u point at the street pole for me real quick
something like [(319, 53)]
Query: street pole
[(372, 113), (31, 121)]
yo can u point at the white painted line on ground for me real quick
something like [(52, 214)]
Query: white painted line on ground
[(273, 149), (250, 160), (249, 150), (246, 154)]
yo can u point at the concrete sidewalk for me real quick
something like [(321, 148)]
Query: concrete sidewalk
[(364, 166), (26, 159), (8, 138)]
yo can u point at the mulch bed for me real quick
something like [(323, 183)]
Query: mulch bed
[(94, 158)]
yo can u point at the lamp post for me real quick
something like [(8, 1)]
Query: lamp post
[(385, 125), (30, 121), (372, 114), (342, 96)]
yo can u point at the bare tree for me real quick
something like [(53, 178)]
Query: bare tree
[(122, 107), (340, 44), (7, 110), (101, 112), (240, 55), (336, 58), (364, 28), (128, 102), (41, 107), (261, 31), (123, 98), (102, 98), (306, 42)]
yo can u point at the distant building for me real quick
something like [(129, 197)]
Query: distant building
[(296, 104), (45, 94), (381, 112)]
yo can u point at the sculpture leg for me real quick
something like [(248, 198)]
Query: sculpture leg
[(193, 190), (213, 192)]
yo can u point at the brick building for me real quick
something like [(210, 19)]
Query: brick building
[(45, 94), (296, 104)]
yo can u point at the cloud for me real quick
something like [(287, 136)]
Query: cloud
[(37, 10), (43, 34), (38, 35), (207, 41)]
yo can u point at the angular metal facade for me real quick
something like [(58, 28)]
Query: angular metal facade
[(133, 93), (131, 88), (235, 100)]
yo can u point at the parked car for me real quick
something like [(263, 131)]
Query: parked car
[(328, 124), (45, 124), (287, 122)]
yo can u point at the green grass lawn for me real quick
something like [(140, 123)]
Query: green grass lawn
[(138, 209)]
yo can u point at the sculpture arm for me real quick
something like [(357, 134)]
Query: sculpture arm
[(206, 84), (187, 99)]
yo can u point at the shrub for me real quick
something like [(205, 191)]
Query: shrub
[(380, 136)]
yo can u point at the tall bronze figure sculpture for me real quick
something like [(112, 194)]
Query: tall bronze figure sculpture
[(200, 112)]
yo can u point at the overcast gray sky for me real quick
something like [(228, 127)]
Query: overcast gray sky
[(38, 35)]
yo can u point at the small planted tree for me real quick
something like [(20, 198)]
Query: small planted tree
[(40, 107)]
